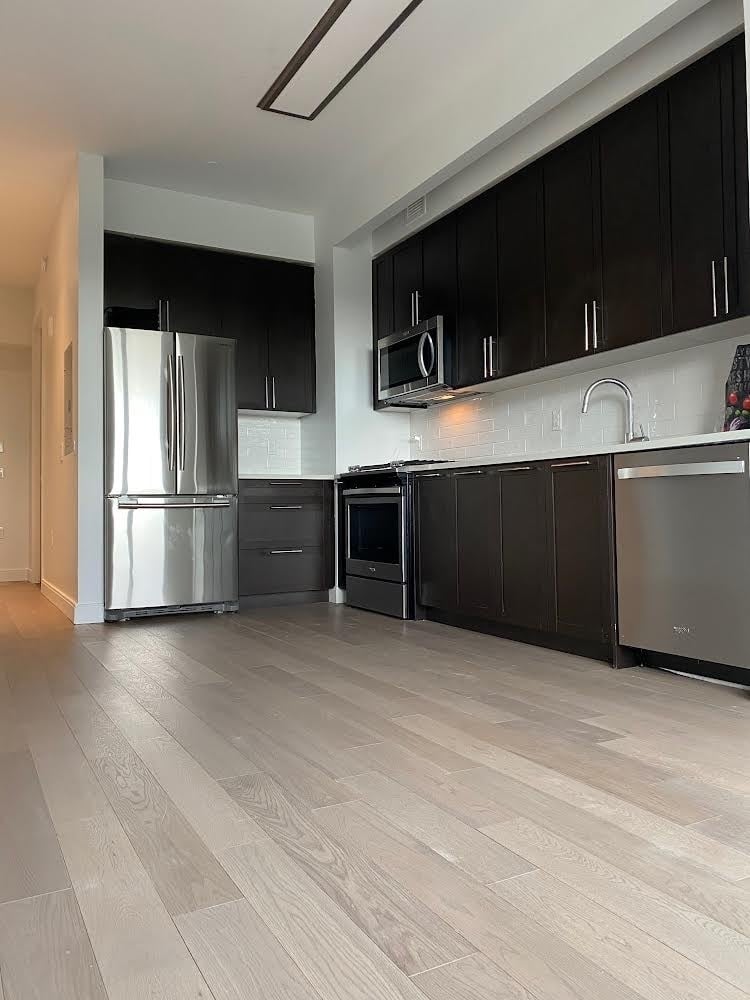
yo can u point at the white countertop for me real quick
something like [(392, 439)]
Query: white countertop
[(722, 437), (278, 476)]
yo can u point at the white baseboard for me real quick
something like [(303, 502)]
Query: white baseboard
[(15, 575), (89, 614), (62, 601)]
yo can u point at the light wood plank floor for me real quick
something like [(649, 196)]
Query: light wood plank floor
[(321, 803)]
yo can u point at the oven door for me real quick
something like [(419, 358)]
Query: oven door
[(375, 533), (409, 363)]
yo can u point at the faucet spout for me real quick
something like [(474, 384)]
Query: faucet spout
[(630, 434)]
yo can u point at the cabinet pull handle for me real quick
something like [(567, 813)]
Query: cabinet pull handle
[(586, 325), (471, 472), (429, 475), (285, 506), (484, 355), (596, 337), (568, 465), (713, 286), (517, 468), (417, 297), (726, 288), (159, 323), (273, 391), (491, 341), (411, 299), (266, 391), (286, 552)]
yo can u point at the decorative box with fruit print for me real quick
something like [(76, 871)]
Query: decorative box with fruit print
[(737, 412)]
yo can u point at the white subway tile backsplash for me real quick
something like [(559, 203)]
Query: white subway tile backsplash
[(675, 394), (269, 444)]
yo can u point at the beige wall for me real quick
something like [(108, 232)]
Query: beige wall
[(16, 307)]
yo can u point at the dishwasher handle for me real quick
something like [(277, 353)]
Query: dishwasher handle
[(734, 467)]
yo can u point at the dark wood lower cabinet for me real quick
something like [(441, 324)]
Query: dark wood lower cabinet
[(285, 537), (523, 551), (478, 542), (581, 502), (436, 541)]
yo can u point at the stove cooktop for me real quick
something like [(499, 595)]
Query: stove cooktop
[(398, 464)]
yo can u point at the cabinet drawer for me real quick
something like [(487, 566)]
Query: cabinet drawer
[(283, 520), (282, 490), (283, 570)]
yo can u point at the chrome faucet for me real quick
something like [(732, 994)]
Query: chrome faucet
[(630, 435)]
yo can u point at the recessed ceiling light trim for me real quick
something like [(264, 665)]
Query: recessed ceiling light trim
[(308, 47)]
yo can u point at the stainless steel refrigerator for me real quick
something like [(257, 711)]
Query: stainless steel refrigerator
[(170, 473)]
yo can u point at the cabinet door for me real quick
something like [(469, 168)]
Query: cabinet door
[(436, 541), (382, 297), (633, 236), (407, 280), (477, 287), (520, 248), (582, 568), (739, 277), (192, 286), (571, 252), (291, 338), (478, 537), (699, 198), (439, 290), (246, 287), (525, 556), (133, 277)]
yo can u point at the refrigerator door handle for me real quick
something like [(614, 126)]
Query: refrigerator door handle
[(181, 410), (171, 412)]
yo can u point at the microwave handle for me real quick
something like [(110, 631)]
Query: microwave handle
[(425, 339)]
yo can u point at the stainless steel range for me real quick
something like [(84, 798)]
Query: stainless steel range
[(377, 537)]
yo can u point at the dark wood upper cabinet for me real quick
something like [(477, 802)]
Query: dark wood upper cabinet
[(291, 338), (572, 261), (436, 541), (266, 306), (520, 249), (525, 555), (476, 322), (478, 543), (382, 297), (633, 238), (581, 523), (439, 277), (701, 191), (407, 283)]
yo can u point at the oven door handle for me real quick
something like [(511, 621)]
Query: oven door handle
[(380, 490), (425, 339)]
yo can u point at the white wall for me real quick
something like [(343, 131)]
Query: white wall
[(68, 306), (186, 218), (681, 392), (16, 312)]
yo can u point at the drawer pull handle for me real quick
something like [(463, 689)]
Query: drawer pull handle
[(286, 552), (516, 468), (569, 465), (474, 472), (285, 506)]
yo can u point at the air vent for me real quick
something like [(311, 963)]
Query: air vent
[(416, 210)]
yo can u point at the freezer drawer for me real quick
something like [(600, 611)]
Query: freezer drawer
[(683, 549), (170, 552)]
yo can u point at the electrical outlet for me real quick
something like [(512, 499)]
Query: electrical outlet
[(557, 420), (2, 532), (2, 472)]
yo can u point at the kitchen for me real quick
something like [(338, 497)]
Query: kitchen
[(370, 443)]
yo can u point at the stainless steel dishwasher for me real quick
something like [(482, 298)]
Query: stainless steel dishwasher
[(682, 520)]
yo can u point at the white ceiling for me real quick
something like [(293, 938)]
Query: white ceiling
[(160, 89)]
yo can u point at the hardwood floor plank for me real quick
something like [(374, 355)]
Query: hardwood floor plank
[(30, 858), (338, 959), (45, 951), (472, 978), (186, 875), (651, 969), (405, 930), (460, 844), (239, 956), (540, 962), (718, 948), (138, 948)]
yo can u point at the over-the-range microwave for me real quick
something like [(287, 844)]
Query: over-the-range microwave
[(415, 368)]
